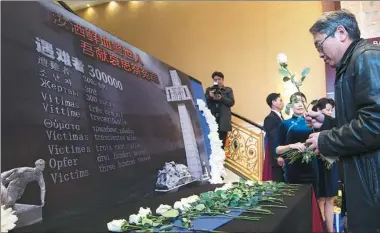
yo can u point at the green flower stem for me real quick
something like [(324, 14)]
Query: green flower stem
[(274, 206), (242, 217), (249, 210), (276, 195), (304, 105), (292, 78), (134, 227), (232, 217), (273, 201), (213, 215)]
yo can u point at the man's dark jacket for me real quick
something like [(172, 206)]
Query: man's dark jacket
[(271, 125), (223, 106), (356, 135)]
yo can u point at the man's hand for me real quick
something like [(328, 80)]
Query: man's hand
[(314, 119), (280, 161), (212, 95), (218, 97), (313, 142), (42, 203), (298, 146)]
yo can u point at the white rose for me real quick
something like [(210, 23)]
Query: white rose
[(207, 114), (201, 104), (216, 180), (114, 226), (249, 183), (182, 205), (214, 137), (219, 189), (213, 128), (163, 208), (224, 187), (193, 198), (144, 212), (282, 58), (178, 205), (8, 219), (186, 206), (224, 172), (228, 186), (134, 219)]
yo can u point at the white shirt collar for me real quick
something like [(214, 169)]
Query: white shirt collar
[(277, 112)]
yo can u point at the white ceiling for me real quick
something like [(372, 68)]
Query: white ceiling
[(78, 5)]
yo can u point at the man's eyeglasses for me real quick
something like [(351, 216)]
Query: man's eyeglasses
[(319, 45)]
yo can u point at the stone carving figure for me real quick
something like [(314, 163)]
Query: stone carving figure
[(16, 180), (172, 175)]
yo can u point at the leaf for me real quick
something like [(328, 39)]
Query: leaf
[(234, 203), (202, 201), (219, 192), (235, 197), (294, 99), (205, 196), (166, 227), (210, 203), (147, 222), (303, 78), (187, 225), (156, 224), (200, 207), (305, 72), (285, 79), (185, 220), (287, 108), (173, 213), (314, 102), (283, 72)]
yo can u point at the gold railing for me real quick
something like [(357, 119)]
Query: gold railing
[(245, 151)]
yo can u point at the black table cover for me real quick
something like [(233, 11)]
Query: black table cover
[(296, 218)]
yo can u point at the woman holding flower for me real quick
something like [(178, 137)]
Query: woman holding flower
[(328, 178), (292, 135)]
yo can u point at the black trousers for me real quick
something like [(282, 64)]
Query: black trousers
[(223, 137), (277, 173)]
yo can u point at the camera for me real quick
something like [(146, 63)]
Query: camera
[(216, 89)]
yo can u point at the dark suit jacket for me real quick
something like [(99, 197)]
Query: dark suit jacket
[(223, 106), (271, 125)]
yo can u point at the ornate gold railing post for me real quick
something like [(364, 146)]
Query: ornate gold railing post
[(245, 151)]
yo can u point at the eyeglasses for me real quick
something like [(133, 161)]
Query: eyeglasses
[(319, 45)]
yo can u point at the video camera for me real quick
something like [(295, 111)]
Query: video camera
[(216, 89)]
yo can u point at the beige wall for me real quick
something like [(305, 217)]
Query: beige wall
[(241, 39)]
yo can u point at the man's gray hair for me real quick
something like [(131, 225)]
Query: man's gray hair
[(330, 21)]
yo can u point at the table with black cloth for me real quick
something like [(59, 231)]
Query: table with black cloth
[(296, 218)]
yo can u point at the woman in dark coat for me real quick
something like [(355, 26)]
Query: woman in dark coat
[(328, 178)]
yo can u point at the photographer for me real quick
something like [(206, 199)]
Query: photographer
[(220, 99)]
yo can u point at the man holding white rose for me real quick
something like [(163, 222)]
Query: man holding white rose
[(355, 135)]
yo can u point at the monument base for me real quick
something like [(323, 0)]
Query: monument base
[(27, 214)]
